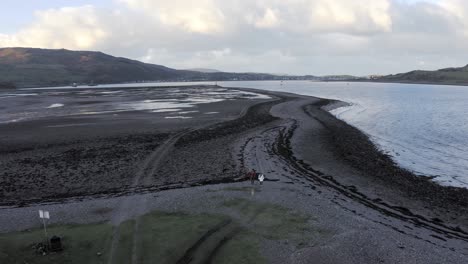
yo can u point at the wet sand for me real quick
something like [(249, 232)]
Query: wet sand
[(367, 209)]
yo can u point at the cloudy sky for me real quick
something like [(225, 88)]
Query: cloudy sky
[(320, 37)]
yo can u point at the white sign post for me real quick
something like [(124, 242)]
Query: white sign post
[(44, 215)]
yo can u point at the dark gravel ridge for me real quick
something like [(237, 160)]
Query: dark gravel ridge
[(255, 116)]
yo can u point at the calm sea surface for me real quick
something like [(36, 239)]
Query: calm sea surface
[(423, 127)]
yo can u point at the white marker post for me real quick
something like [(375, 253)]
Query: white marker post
[(44, 215)]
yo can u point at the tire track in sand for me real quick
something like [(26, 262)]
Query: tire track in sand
[(143, 175)]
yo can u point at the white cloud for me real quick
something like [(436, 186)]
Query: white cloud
[(457, 13), (215, 16), (268, 20), (357, 16), (71, 27), (201, 16)]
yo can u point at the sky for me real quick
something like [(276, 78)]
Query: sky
[(318, 37)]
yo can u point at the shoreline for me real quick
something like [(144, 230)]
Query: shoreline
[(335, 104), (357, 150), (407, 82)]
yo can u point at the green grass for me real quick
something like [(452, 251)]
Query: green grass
[(81, 242), (166, 237), (123, 253), (275, 222)]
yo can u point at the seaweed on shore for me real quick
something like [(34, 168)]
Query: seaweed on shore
[(255, 116)]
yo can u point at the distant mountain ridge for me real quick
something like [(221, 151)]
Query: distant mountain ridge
[(443, 76), (32, 67)]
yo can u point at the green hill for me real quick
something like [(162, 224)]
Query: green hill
[(35, 67), (443, 76)]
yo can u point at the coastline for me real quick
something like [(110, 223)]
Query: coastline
[(354, 146), (316, 164), (408, 82)]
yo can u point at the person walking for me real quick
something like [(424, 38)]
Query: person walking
[(252, 175)]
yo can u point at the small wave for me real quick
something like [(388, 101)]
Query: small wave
[(187, 112), (11, 121), (4, 96), (56, 105), (165, 110), (177, 117)]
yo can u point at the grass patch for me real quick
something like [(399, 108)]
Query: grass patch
[(166, 236), (275, 222), (81, 243), (123, 253), (162, 238)]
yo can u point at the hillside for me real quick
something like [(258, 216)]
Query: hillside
[(33, 67), (443, 76), (29, 67)]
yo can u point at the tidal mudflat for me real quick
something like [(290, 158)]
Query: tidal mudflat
[(98, 139)]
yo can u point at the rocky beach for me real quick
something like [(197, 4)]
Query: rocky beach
[(330, 195)]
